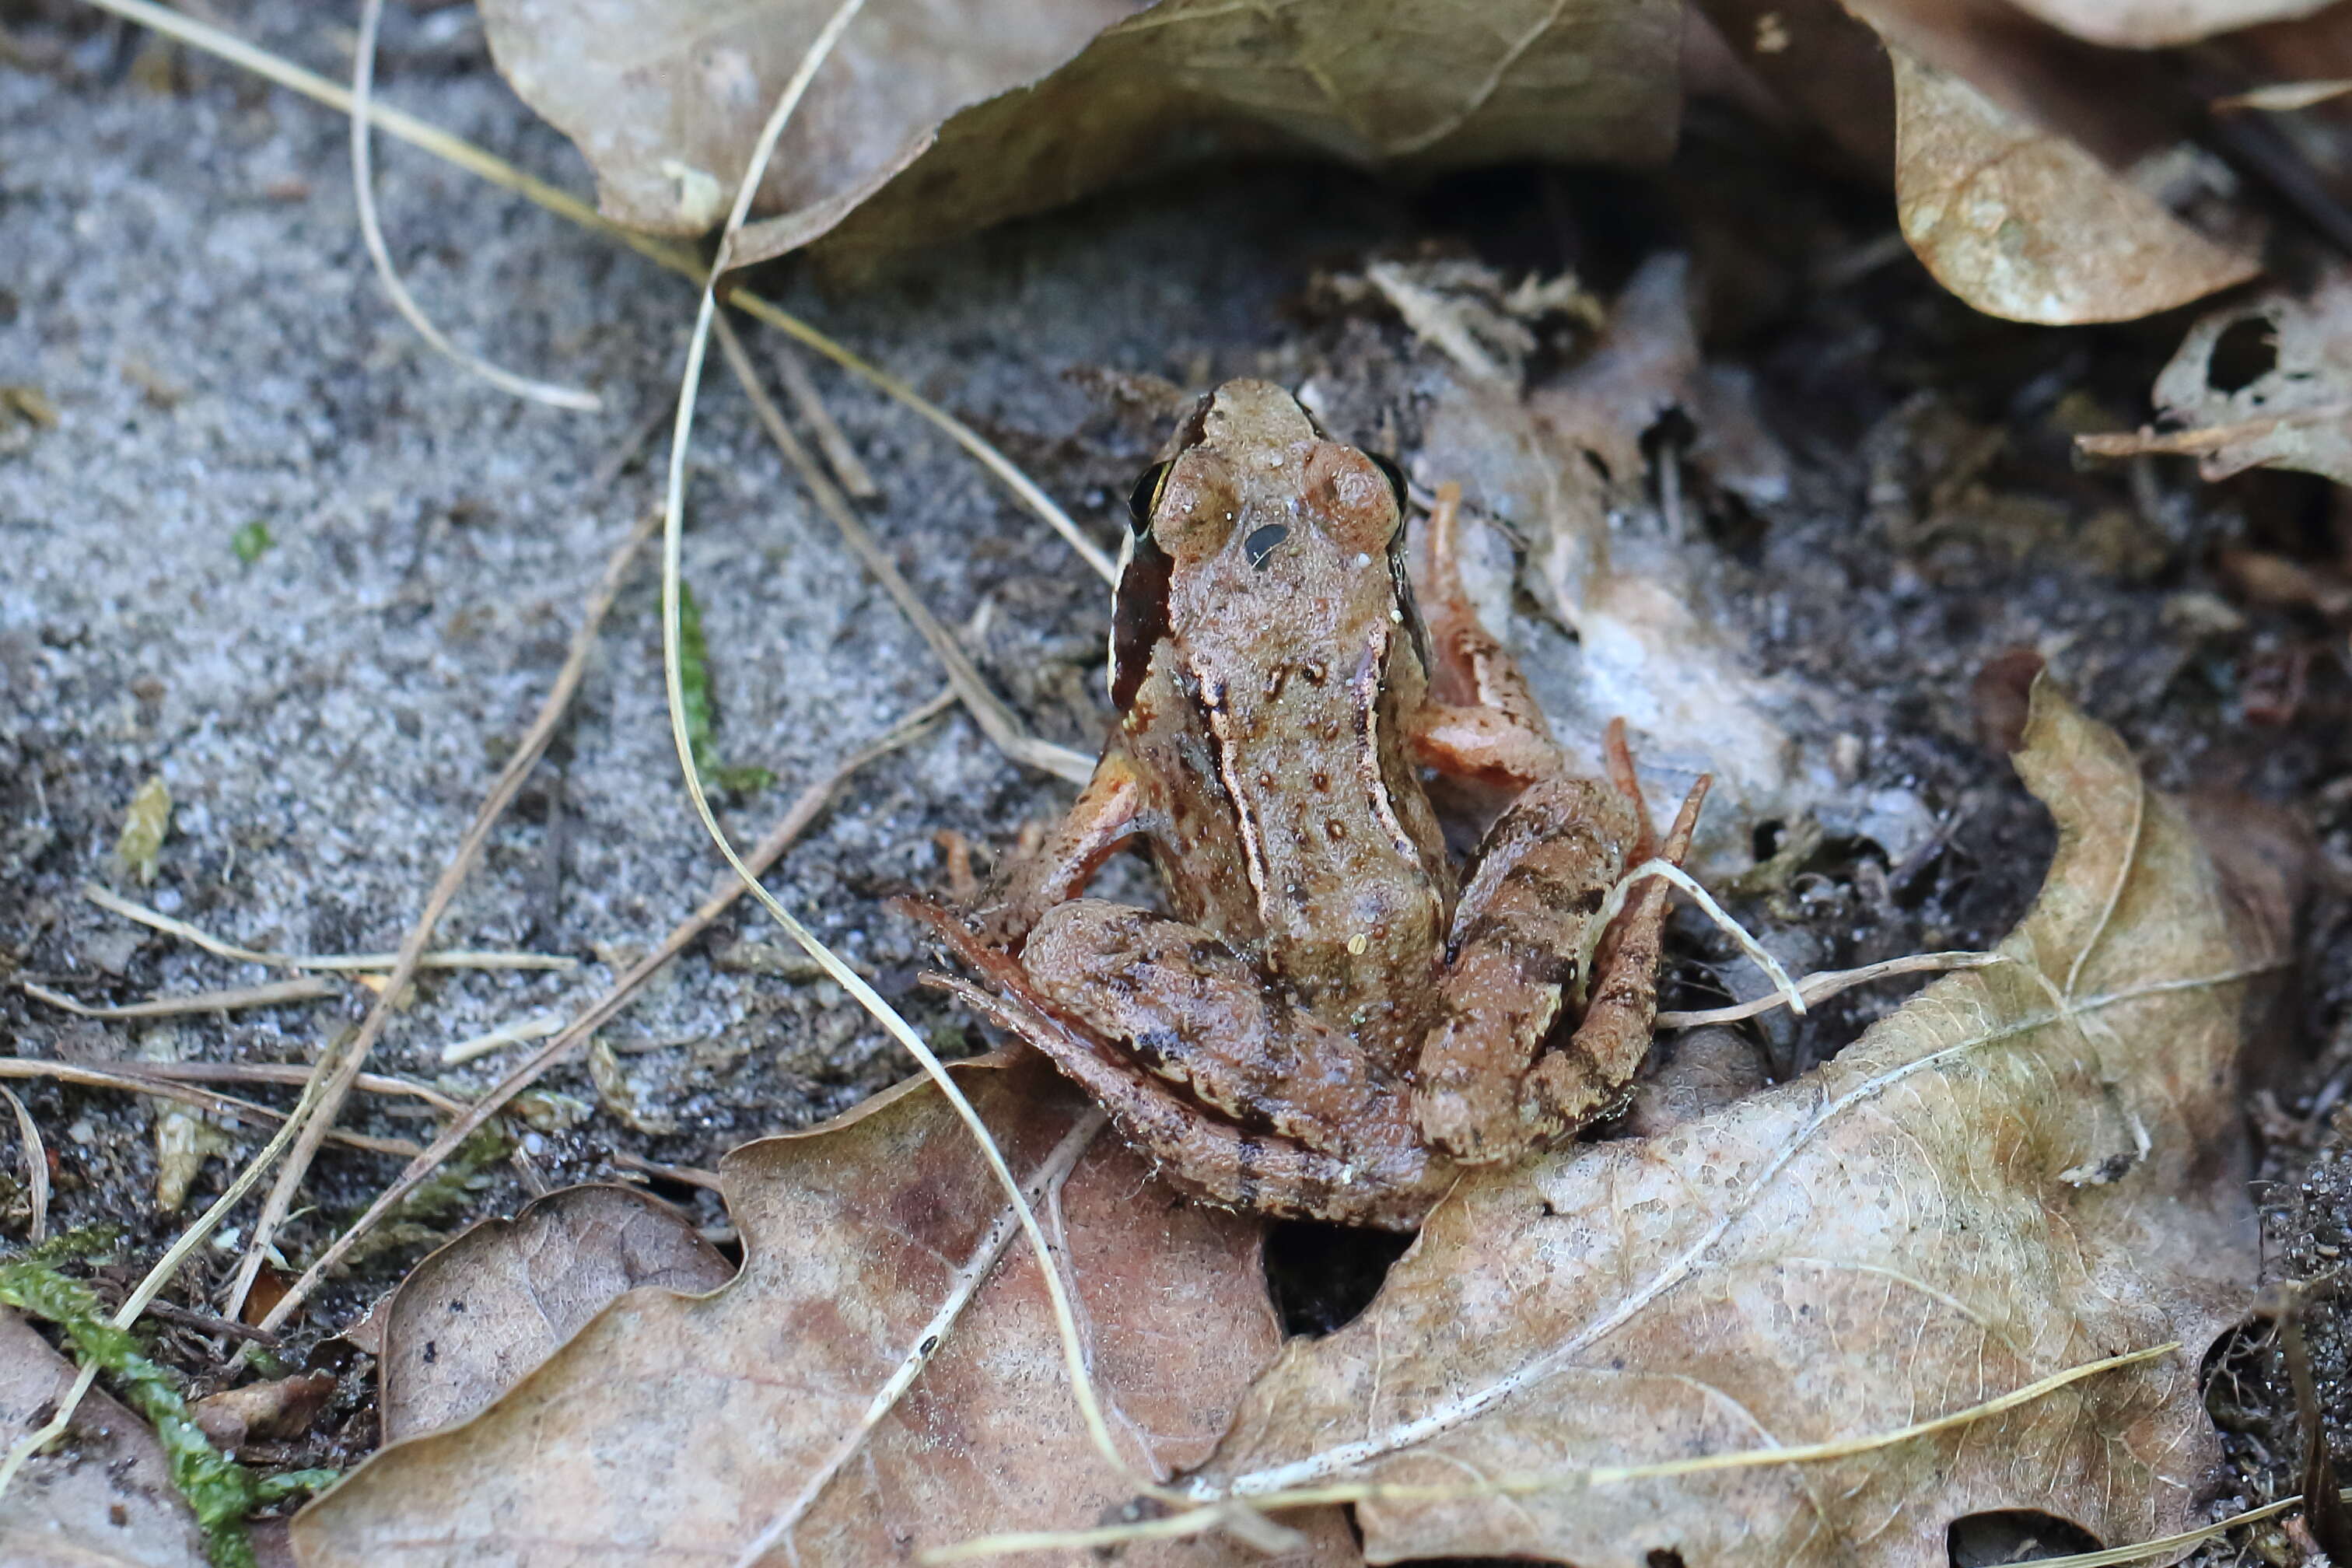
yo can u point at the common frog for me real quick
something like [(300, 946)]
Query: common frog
[(1331, 1020)]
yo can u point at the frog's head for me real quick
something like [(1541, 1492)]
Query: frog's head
[(1252, 509)]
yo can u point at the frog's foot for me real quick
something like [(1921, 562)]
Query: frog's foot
[(1585, 1078), (1209, 1159)]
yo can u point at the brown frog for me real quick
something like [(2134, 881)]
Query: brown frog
[(1333, 1021)]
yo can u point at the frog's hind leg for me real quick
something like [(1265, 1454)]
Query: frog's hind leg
[(1211, 1160), (1542, 875), (1579, 1082)]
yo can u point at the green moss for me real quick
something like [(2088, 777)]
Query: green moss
[(220, 1491), (694, 698), (251, 540)]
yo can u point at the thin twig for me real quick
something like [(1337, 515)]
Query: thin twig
[(292, 1075), (211, 1323), (37, 1168), (987, 710), (1822, 984), (336, 963), (795, 821), (363, 196), (508, 784), (2202, 442), (142, 1079), (838, 453), (665, 253), (275, 994), (692, 1175), (522, 1030)]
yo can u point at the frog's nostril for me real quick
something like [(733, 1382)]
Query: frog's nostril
[(1261, 543)]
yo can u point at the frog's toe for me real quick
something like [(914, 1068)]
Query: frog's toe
[(1472, 1122)]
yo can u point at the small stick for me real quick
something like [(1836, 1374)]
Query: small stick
[(228, 1106), (692, 1175), (459, 1052), (204, 1323), (838, 452), (333, 962), (347, 1065), (987, 710), (289, 1073), (1828, 983), (2198, 443), (37, 1168), (803, 811), (275, 993)]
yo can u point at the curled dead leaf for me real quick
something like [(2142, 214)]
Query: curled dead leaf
[(2029, 1167), (2284, 401), (471, 1320), (2023, 222), (935, 119), (269, 1411), (673, 1429)]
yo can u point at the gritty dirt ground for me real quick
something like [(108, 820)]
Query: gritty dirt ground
[(181, 278)]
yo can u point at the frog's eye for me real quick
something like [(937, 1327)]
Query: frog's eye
[(1395, 476), (1144, 500)]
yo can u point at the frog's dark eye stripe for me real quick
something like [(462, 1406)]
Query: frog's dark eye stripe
[(1395, 477), (1144, 500)]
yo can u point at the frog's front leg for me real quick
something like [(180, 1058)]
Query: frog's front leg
[(1104, 816)]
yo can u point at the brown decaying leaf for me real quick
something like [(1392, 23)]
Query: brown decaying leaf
[(673, 1429), (939, 117), (471, 1320), (2161, 23), (2028, 1167), (104, 1495), (1564, 469), (269, 1411), (2296, 414), (2022, 223)]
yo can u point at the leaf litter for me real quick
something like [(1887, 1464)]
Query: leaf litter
[(2028, 1167), (2087, 1171), (676, 1426)]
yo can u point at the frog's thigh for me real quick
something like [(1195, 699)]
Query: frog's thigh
[(1187, 1010), (1541, 877)]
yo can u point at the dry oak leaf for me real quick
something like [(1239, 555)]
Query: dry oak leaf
[(2297, 414), (2022, 223), (471, 1320), (936, 118), (2027, 1168), (676, 1429), (102, 1496), (2161, 23)]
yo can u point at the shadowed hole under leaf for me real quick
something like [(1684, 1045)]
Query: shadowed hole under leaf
[(2014, 1535)]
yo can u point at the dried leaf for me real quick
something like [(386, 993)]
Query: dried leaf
[(269, 1411), (2023, 222), (105, 1495), (2161, 23), (673, 1429), (2295, 414), (932, 121), (144, 828), (472, 1319), (1564, 469), (2029, 1167)]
